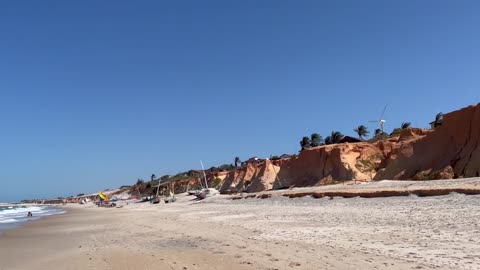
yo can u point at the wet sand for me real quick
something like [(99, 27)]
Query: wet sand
[(441, 232)]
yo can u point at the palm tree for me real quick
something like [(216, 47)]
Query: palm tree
[(361, 131), (237, 160), (405, 125), (328, 140), (316, 140), (438, 120), (397, 131), (335, 137), (305, 143)]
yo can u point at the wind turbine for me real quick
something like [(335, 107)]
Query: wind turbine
[(380, 121)]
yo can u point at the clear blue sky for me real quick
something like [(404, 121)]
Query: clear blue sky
[(95, 94)]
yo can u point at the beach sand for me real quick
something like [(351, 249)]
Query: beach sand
[(441, 232)]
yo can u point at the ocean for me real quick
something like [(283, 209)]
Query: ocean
[(11, 216)]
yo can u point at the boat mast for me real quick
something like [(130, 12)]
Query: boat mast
[(204, 175)]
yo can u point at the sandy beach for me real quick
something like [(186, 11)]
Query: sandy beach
[(440, 232), (240, 135)]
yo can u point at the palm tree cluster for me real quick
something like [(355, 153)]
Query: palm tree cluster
[(317, 140), (314, 140), (362, 131), (335, 137)]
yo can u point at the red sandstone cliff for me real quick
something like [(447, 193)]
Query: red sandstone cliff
[(451, 150)]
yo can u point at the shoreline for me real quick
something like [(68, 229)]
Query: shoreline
[(279, 233), (18, 218)]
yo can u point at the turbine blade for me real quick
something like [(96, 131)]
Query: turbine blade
[(383, 112)]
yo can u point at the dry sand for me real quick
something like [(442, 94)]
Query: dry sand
[(411, 232)]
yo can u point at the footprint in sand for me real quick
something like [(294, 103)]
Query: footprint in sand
[(294, 264)]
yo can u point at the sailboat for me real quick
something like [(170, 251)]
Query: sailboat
[(171, 194), (205, 191)]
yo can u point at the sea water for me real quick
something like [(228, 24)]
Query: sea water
[(12, 216)]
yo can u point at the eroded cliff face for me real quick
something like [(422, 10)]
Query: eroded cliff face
[(315, 166), (454, 144), (326, 164), (251, 178)]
